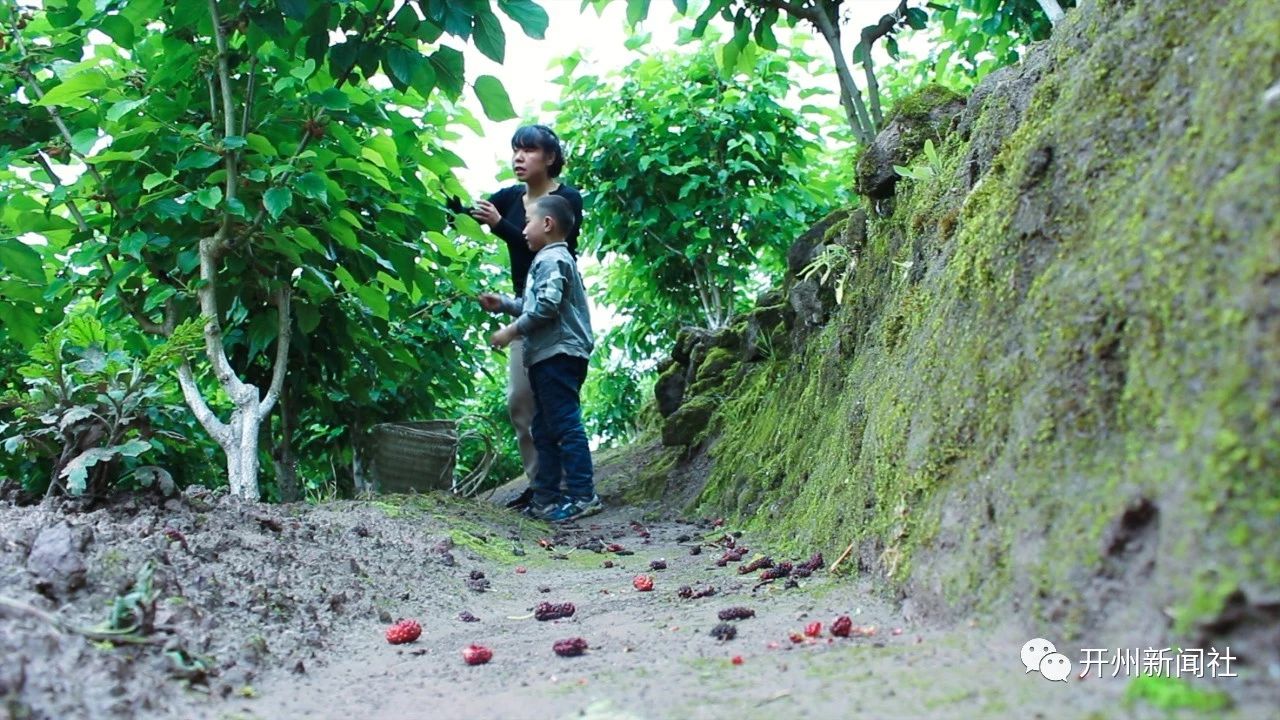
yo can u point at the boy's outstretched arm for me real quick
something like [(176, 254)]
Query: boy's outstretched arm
[(495, 303)]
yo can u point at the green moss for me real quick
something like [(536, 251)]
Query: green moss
[(1170, 693), (1088, 332), (836, 231), (919, 104)]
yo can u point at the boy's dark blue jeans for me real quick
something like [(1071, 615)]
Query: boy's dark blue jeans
[(557, 431)]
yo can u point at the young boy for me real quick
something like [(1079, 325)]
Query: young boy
[(553, 321)]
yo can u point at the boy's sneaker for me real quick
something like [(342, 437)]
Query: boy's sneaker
[(535, 511), (575, 509)]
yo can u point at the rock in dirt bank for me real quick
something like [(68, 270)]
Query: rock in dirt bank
[(1051, 390), (57, 560)]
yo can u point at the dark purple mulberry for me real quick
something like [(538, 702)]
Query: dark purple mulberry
[(737, 613), (553, 611), (724, 631), (757, 564)]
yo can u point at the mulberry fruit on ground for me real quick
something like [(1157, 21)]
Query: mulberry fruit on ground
[(466, 616), (643, 583), (476, 654), (688, 593), (814, 563), (737, 613), (658, 565), (724, 631), (758, 564), (405, 631), (813, 629), (842, 626), (570, 647), (553, 611), (802, 571), (780, 570)]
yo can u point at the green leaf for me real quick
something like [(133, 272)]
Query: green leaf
[(311, 185), (233, 142), (123, 108), (424, 79), (154, 179), (307, 241), (342, 57), (83, 141), (490, 38), (22, 322), (450, 68), (117, 156), (198, 160), (236, 207), (529, 15), (119, 29), (133, 243), (331, 99), (494, 99), (637, 10), (277, 200), (209, 196), (296, 9), (20, 259), (916, 18), (260, 145), (375, 300), (303, 71), (402, 63), (75, 87)]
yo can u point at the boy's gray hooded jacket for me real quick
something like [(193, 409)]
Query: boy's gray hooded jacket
[(553, 317)]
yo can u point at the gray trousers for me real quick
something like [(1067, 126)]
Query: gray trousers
[(520, 407)]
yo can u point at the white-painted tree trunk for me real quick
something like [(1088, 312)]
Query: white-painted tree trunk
[(1053, 10)]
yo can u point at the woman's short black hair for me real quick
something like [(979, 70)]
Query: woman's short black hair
[(540, 137)]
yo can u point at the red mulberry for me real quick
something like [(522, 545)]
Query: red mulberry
[(476, 654), (405, 631), (570, 647), (842, 626)]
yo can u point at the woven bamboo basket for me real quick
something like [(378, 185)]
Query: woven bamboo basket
[(422, 455)]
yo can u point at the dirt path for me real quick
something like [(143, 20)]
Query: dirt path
[(651, 653), (279, 612)]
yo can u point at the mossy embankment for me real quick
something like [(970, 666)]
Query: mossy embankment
[(1052, 381)]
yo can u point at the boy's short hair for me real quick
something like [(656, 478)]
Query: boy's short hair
[(540, 137), (558, 209)]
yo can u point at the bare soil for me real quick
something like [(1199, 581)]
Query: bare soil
[(280, 612)]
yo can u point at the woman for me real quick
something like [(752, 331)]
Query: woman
[(537, 159)]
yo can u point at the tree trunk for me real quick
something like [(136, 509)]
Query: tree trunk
[(850, 97), (286, 465)]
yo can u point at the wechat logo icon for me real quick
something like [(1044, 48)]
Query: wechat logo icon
[(1040, 655)]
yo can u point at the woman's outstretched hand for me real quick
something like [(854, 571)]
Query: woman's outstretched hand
[(491, 302), (485, 212)]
